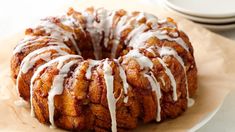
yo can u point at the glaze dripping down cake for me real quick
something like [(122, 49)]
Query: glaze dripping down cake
[(105, 70)]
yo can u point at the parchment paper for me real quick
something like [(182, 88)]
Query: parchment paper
[(215, 60)]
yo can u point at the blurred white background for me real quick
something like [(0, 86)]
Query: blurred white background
[(16, 15)]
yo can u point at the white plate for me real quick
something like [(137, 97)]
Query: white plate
[(212, 26), (201, 19), (205, 120), (204, 8), (218, 27)]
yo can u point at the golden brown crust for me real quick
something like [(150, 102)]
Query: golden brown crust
[(83, 105)]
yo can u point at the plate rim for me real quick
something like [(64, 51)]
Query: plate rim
[(198, 14), (205, 120), (201, 19)]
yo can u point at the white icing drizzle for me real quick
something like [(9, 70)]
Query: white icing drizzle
[(72, 23), (60, 59), (108, 77), (150, 49), (165, 23), (170, 51), (122, 24), (105, 25), (135, 32), (57, 88), (153, 20), (57, 32), (114, 48), (27, 63), (140, 39), (140, 16), (161, 21), (100, 26), (140, 58), (125, 85), (172, 78), (127, 23), (116, 34), (119, 26), (92, 63), (174, 34), (24, 44), (27, 40), (96, 29), (156, 87), (69, 21), (146, 62), (77, 70), (95, 36)]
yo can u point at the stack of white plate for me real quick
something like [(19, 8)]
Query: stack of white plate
[(213, 14)]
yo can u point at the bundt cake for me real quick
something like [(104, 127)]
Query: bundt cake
[(104, 70)]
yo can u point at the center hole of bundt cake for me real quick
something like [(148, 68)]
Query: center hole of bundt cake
[(111, 49)]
